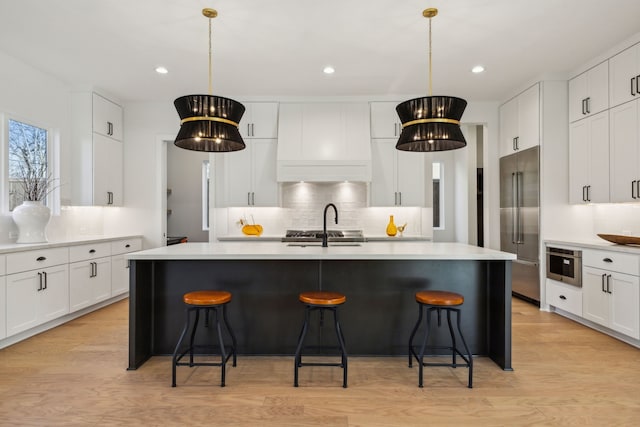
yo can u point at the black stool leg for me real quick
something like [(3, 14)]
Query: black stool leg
[(175, 352), (193, 334), (413, 333), (223, 355), (453, 335), (298, 356), (466, 348), (342, 347), (423, 348), (233, 336)]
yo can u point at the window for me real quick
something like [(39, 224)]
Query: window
[(29, 176), (438, 195)]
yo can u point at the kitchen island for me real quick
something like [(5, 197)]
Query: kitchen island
[(379, 279)]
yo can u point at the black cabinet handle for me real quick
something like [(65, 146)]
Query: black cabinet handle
[(607, 260), (588, 105), (127, 245), (92, 251), (41, 258), (588, 195), (633, 92), (40, 280), (608, 283), (584, 193), (44, 274), (633, 190), (562, 297), (603, 276)]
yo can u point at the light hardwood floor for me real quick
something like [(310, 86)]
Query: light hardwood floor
[(565, 374)]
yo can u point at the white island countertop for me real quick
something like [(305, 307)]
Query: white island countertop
[(284, 251)]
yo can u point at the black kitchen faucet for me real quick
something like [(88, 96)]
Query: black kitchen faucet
[(324, 223)]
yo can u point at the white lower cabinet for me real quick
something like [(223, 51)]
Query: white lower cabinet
[(3, 298), (612, 298), (565, 297), (89, 274), (35, 297), (120, 266)]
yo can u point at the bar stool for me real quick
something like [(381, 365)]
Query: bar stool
[(207, 301), (321, 301), (438, 301)]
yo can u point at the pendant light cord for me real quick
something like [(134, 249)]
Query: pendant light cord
[(210, 68), (429, 56)]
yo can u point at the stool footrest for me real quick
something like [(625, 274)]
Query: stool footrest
[(228, 350), (320, 364)]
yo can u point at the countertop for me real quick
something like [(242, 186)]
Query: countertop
[(596, 243), (280, 250), (20, 247), (380, 238)]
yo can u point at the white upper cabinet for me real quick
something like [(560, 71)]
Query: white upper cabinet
[(398, 177), (385, 122), (589, 159), (260, 120), (625, 152), (107, 117), (520, 122), (589, 92), (248, 177), (624, 76), (97, 151)]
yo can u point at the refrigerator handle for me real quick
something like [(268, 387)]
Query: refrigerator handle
[(520, 236), (514, 215)]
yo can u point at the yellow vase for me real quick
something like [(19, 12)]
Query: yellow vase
[(392, 230)]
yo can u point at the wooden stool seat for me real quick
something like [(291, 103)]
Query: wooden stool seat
[(207, 297), (322, 298), (439, 298)]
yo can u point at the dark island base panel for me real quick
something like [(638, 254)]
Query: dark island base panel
[(266, 315)]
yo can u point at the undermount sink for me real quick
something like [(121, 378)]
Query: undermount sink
[(305, 244)]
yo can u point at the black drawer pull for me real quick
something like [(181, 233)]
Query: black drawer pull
[(127, 245), (563, 297), (92, 251), (41, 258), (607, 260)]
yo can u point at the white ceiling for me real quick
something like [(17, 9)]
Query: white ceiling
[(278, 48)]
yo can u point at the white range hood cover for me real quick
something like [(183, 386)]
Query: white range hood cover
[(324, 142)]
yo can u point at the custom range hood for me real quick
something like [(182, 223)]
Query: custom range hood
[(324, 142)]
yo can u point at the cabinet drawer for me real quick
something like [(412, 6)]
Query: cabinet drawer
[(612, 261), (125, 246), (564, 297), (36, 259), (89, 251), (3, 264)]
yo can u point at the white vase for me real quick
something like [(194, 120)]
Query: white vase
[(32, 218)]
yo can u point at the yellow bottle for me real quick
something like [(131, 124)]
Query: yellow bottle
[(392, 230)]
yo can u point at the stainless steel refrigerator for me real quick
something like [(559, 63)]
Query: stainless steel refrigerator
[(519, 219)]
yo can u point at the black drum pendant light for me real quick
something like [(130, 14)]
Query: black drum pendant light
[(431, 123), (207, 122)]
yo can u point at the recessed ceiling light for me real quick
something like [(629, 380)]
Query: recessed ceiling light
[(477, 69), (161, 70), (329, 70)]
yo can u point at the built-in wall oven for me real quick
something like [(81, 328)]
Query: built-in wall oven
[(564, 265)]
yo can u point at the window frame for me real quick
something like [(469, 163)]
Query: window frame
[(53, 160)]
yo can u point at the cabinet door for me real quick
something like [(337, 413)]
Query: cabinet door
[(595, 299), (264, 120), (528, 118), (598, 88), (23, 293), (80, 283), (107, 172), (3, 307), (54, 300), (102, 279), (599, 158), (624, 72), (119, 275), (625, 152), (385, 122), (579, 161), (625, 304), (411, 178), (265, 187), (235, 180), (508, 126), (107, 117), (383, 172), (577, 95)]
